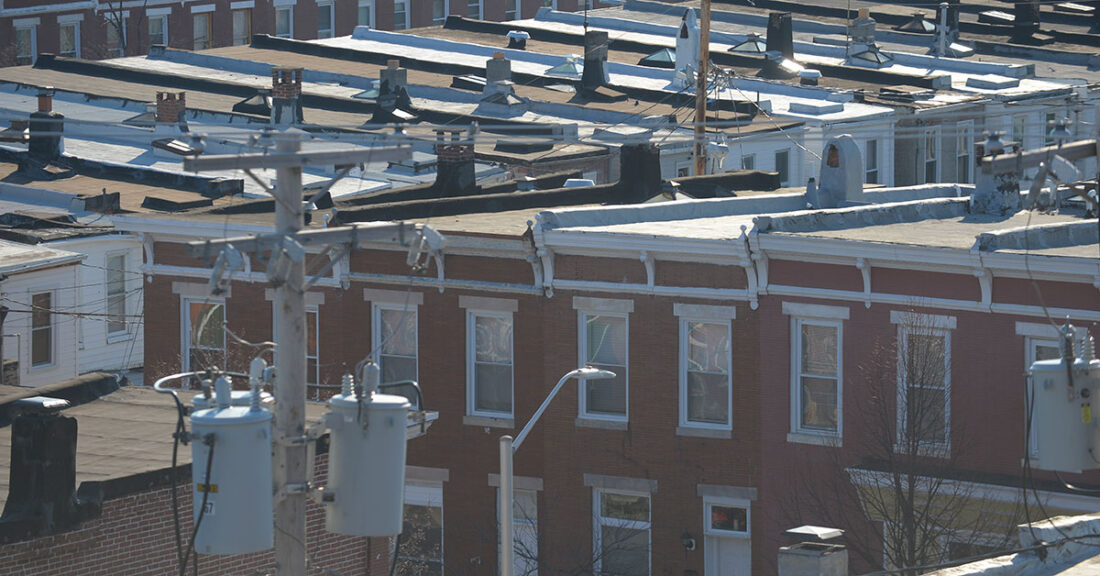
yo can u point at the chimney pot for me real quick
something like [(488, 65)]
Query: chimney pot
[(864, 13), (393, 64), (45, 99), (171, 107)]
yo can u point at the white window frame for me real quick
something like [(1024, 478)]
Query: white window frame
[(50, 326), (748, 161), (687, 167), (446, 12), (289, 9), (599, 521), (405, 18), (125, 332), (517, 12), (525, 530), (1019, 129), (815, 315), (185, 323), (480, 9), (392, 300), (1049, 120), (315, 353), (430, 495), (119, 50), (163, 19), (471, 362), (30, 24), (75, 24), (369, 5), (872, 174), (601, 307), (247, 33), (924, 325), (964, 150), (787, 153), (205, 15), (709, 502), (331, 8), (932, 133), (716, 315)]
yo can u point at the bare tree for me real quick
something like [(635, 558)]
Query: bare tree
[(899, 482), (118, 21)]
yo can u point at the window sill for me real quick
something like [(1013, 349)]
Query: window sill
[(816, 439), (582, 422), (489, 422), (704, 432)]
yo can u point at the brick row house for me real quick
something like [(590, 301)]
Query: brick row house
[(761, 350)]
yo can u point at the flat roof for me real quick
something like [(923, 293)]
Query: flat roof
[(16, 258)]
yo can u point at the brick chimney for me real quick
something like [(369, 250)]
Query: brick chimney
[(46, 128), (595, 59), (171, 108), (392, 82), (286, 93), (454, 163), (639, 171), (780, 34), (1027, 20)]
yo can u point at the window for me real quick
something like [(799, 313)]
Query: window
[(69, 40), (705, 359), (400, 15), (116, 34), (924, 380), (26, 44), (603, 344), (931, 155), (439, 11), (871, 165), (525, 531), (725, 518), (512, 9), (421, 551), (1048, 132), (489, 363), (366, 14), (964, 144), (621, 534), (42, 329), (748, 162), (204, 333), (242, 26), (284, 21), (116, 294), (783, 166), (158, 30), (395, 340), (1019, 129), (313, 347), (817, 344), (324, 20), (201, 31), (473, 9)]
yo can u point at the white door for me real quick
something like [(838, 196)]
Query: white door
[(727, 556)]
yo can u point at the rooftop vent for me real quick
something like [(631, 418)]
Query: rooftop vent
[(869, 53), (468, 82), (990, 82), (753, 44), (918, 25), (572, 68), (517, 39), (816, 107), (904, 95)]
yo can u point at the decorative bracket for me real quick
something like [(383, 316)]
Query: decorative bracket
[(985, 283), (865, 269), (547, 257), (650, 269)]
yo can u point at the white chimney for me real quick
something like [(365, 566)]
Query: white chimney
[(687, 49)]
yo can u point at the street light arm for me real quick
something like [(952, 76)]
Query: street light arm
[(586, 372)]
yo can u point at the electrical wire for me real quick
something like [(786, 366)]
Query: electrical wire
[(209, 440)]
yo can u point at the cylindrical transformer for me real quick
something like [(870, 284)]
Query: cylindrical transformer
[(239, 398), (233, 488), (366, 464)]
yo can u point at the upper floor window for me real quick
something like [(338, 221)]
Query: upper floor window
[(871, 164), (421, 551), (366, 14), (116, 294), (817, 344), (621, 534), (284, 21), (400, 15), (924, 381), (964, 144), (324, 19), (489, 362), (783, 166), (439, 11), (748, 162), (201, 31), (705, 359), (42, 329), (203, 333), (242, 26), (603, 344), (116, 23), (512, 9), (931, 155), (69, 39), (26, 42), (473, 9), (158, 30)]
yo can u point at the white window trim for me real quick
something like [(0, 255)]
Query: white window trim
[(158, 12), (331, 7), (126, 333), (370, 5), (290, 8), (163, 17), (429, 494), (775, 160), (582, 357), (70, 18), (697, 313), (242, 5), (872, 144), (933, 326), (968, 126), (598, 520), (32, 25), (407, 23), (376, 329), (398, 297), (471, 361), (711, 501), (52, 291), (203, 8), (76, 37), (818, 311), (810, 435), (934, 133), (185, 323), (446, 12)]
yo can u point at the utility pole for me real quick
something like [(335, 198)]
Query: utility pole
[(292, 466), (701, 90)]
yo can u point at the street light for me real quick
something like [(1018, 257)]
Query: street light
[(508, 449)]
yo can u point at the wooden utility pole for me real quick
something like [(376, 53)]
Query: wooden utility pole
[(700, 155), (292, 466)]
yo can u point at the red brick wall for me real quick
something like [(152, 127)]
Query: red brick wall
[(135, 536)]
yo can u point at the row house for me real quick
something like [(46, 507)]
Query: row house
[(762, 350)]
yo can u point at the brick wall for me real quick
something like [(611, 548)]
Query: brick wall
[(135, 536)]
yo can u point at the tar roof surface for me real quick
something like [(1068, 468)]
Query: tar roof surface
[(121, 434)]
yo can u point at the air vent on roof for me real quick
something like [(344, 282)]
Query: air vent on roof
[(816, 107), (918, 25), (177, 147), (990, 82), (517, 39), (870, 53), (469, 82), (663, 58), (258, 104), (573, 67), (753, 44), (504, 98)]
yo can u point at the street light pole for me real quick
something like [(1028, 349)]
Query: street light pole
[(508, 450)]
